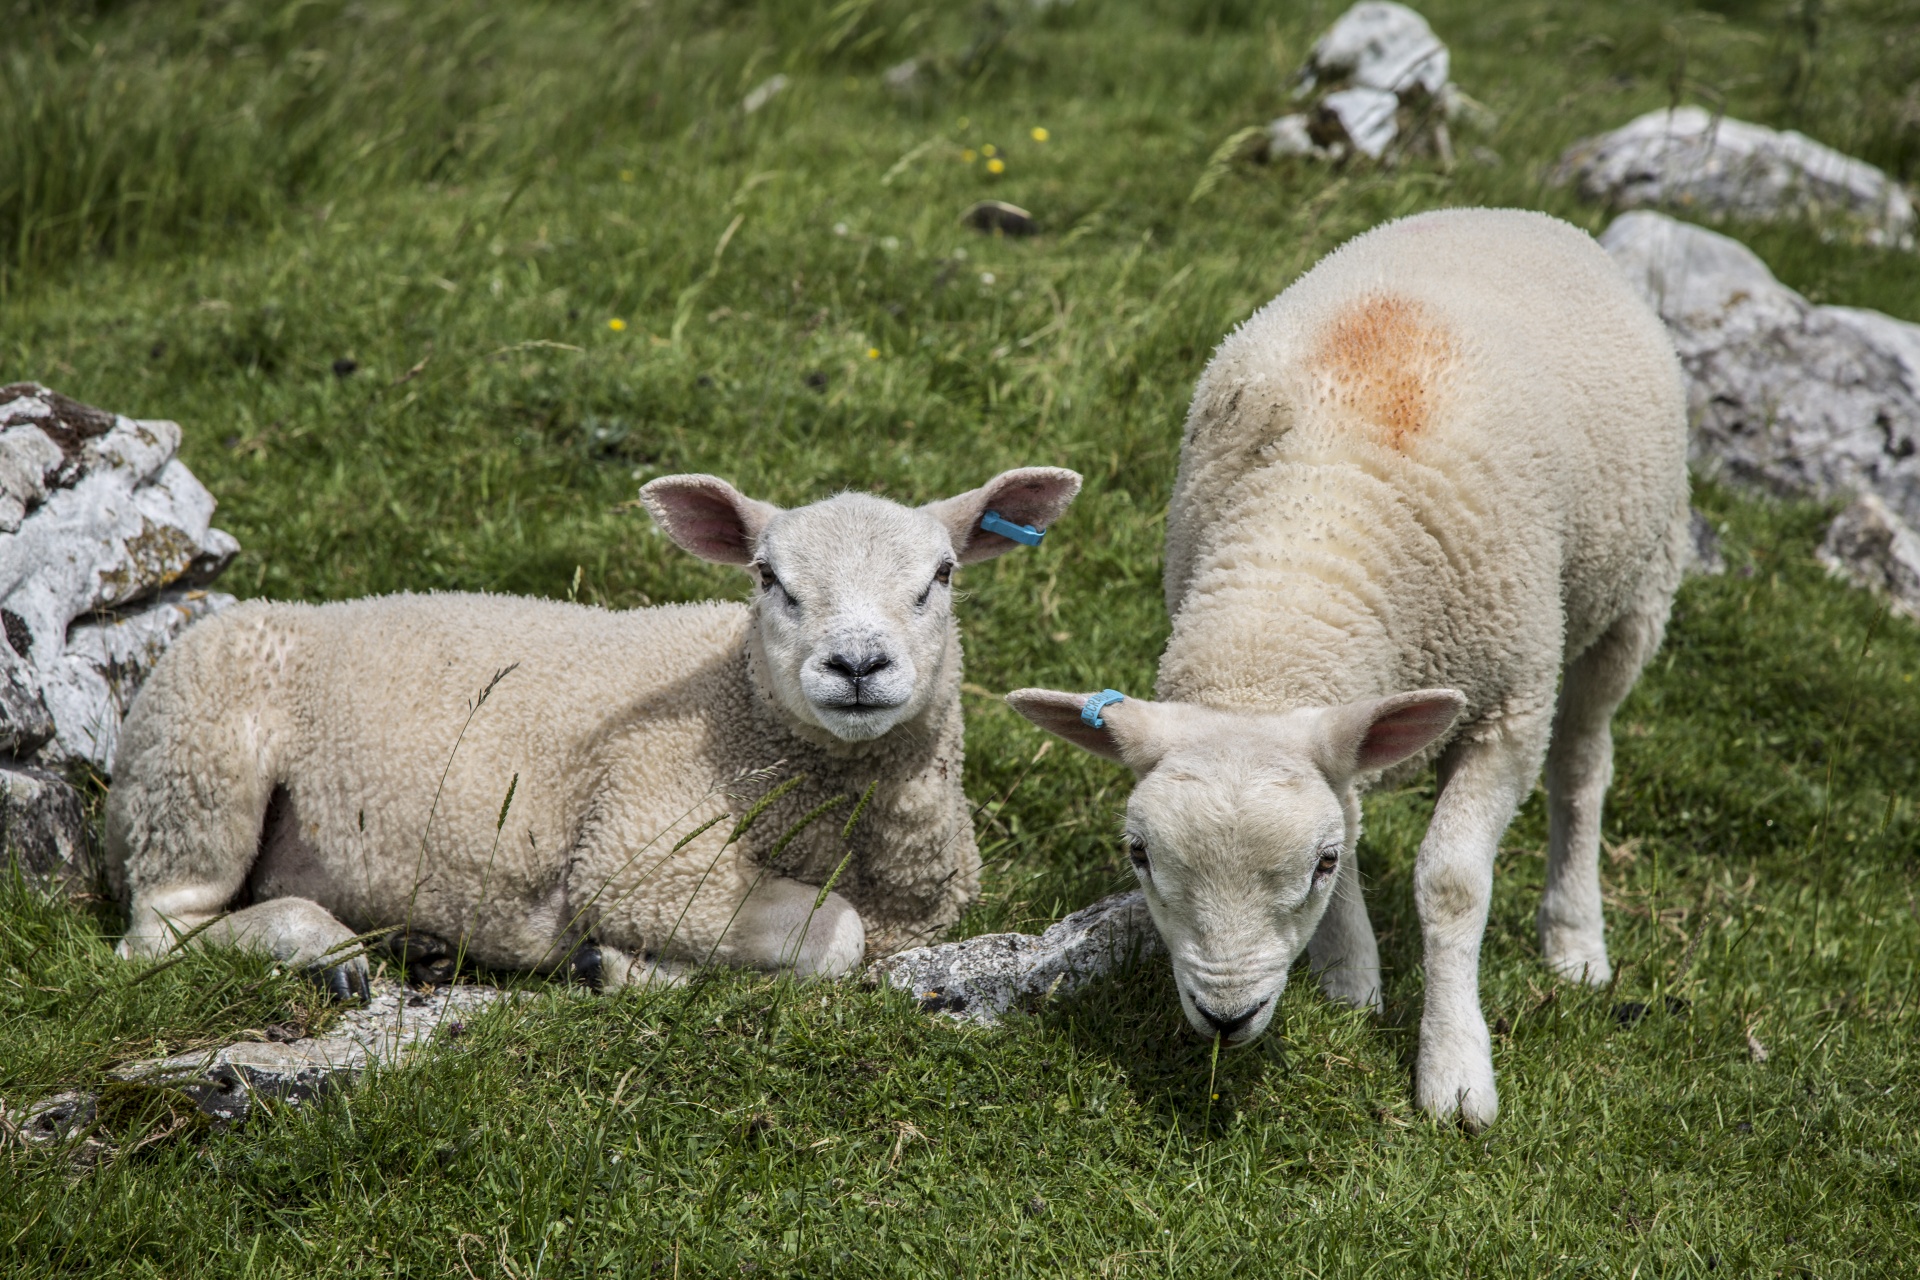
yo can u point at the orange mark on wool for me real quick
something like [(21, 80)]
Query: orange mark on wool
[(1383, 360)]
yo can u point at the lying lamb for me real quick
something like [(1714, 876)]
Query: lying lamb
[(284, 762), (1440, 475)]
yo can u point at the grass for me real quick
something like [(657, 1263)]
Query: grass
[(203, 207)]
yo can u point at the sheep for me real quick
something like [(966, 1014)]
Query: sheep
[(294, 776), (1441, 474)]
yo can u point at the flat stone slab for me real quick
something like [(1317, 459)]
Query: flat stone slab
[(226, 1083), (981, 979)]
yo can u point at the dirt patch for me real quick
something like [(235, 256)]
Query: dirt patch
[(1383, 360)]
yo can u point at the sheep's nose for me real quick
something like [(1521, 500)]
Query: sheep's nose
[(1226, 1024), (858, 668)]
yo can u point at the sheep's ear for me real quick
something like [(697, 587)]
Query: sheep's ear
[(707, 516), (1130, 731), (1032, 496), (1365, 737)]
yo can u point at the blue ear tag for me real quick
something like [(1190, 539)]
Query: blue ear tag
[(1090, 713), (1026, 534)]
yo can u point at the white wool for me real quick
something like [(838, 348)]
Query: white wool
[(1442, 469), (291, 756)]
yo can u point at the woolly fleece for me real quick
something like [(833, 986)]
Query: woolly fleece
[(1444, 468)]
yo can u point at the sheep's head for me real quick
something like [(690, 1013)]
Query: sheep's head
[(853, 599), (1238, 826)]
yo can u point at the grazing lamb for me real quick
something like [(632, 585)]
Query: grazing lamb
[(284, 762), (1440, 475)]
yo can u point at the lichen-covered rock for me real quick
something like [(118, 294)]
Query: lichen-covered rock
[(1706, 559), (1691, 160), (43, 828), (90, 686), (1378, 45), (1871, 547), (1785, 397), (1374, 83), (982, 978), (98, 522), (226, 1083)]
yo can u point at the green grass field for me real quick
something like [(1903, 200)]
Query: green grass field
[(564, 260)]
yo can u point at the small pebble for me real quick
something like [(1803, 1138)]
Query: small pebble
[(999, 217)]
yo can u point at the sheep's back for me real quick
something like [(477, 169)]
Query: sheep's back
[(389, 750), (1461, 429)]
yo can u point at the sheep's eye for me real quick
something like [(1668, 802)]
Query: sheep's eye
[(942, 576), (1137, 850), (767, 579), (1328, 864)]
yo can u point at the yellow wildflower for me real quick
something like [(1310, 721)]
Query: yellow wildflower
[(969, 156), (1040, 134), (626, 175), (989, 151), (996, 166), (873, 353), (617, 325)]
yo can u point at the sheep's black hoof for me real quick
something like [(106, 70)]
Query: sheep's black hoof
[(345, 982), (437, 972), (584, 967)]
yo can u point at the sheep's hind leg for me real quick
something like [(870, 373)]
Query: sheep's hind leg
[(1579, 769), (295, 931)]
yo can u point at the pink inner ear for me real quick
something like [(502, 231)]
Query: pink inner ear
[(1404, 731), (705, 523), (712, 531), (1032, 501)]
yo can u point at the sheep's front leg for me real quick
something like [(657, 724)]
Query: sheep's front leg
[(1343, 951), (1481, 785), (608, 968), (779, 927), (294, 931)]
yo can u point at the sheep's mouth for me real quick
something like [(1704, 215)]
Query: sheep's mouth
[(857, 706)]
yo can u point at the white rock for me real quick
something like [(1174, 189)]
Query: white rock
[(1377, 72), (1786, 397), (97, 517), (89, 687), (1377, 45), (903, 78), (980, 979), (1689, 159), (1871, 547), (1365, 118), (25, 724), (1704, 556), (1288, 136), (28, 460), (226, 1083), (43, 828), (763, 93)]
